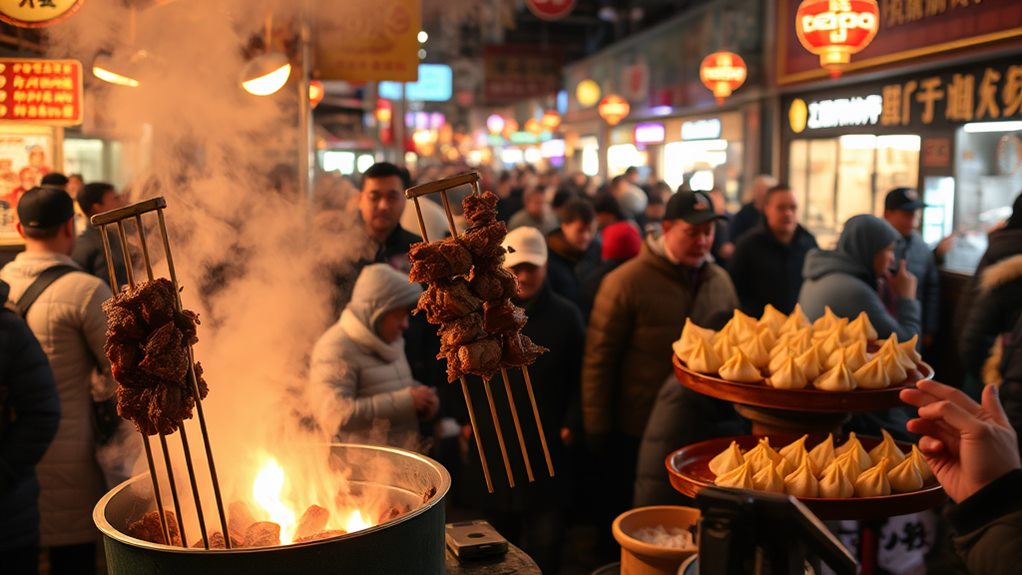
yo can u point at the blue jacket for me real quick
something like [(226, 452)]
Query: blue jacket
[(29, 418)]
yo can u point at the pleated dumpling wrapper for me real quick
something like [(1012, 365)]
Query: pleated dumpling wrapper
[(690, 334), (796, 320), (861, 329), (772, 319), (801, 341), (872, 375), (763, 455), (851, 463), (853, 445), (840, 378), (905, 477), (823, 454), (835, 483), (810, 362), (777, 360), (788, 376), (873, 482), (831, 343), (887, 448), (766, 337), (758, 354), (727, 460), (795, 453), (740, 327), (768, 479), (825, 321), (891, 345), (896, 373), (740, 477), (704, 358), (920, 461), (853, 354), (802, 482), (739, 368), (723, 345), (911, 350)]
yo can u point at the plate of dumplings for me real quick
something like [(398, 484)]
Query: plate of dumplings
[(780, 361), (859, 478)]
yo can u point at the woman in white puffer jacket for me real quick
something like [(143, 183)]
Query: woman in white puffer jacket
[(362, 358)]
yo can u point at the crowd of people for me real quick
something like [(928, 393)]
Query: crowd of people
[(608, 275)]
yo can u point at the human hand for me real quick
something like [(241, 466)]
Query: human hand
[(426, 402), (903, 283), (966, 444)]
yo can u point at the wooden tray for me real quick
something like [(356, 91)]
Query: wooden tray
[(808, 399), (689, 471)]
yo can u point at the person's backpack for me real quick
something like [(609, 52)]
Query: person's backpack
[(105, 420)]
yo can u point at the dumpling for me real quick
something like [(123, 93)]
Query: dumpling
[(835, 483), (831, 343), (801, 341), (776, 361), (872, 375), (851, 464), (861, 329), (795, 453), (802, 482), (905, 477), (766, 337), (840, 378), (896, 373), (873, 482), (768, 479), (853, 445), (689, 335), (909, 348), (740, 477), (825, 321), (724, 346), (704, 358), (788, 376), (920, 462), (741, 327), (796, 320), (772, 319), (810, 362), (854, 356), (763, 455), (891, 345), (887, 448), (757, 353), (739, 368), (727, 460), (823, 454)]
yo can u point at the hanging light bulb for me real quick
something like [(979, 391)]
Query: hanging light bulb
[(104, 68), (266, 74)]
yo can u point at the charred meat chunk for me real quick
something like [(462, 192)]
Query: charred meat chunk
[(463, 330), (480, 209), (493, 284), (432, 261), (447, 301), (166, 355), (519, 350), (503, 316), (485, 243), (480, 357), (150, 528)]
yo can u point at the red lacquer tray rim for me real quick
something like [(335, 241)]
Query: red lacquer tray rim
[(679, 464)]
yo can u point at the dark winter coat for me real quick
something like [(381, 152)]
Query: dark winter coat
[(29, 417), (591, 285), (567, 265), (747, 219), (766, 271), (988, 526), (1002, 244), (88, 253), (920, 262)]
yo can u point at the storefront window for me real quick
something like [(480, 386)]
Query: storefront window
[(590, 157), (704, 162), (623, 156), (85, 157)]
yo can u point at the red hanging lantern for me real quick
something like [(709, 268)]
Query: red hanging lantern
[(723, 73), (316, 93), (836, 29), (613, 109), (551, 120)]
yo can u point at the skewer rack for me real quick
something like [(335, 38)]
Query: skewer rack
[(118, 218), (442, 187)]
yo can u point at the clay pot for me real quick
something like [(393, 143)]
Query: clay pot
[(639, 558)]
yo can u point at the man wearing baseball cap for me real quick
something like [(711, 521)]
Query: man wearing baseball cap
[(67, 318), (902, 209), (554, 323), (639, 311)]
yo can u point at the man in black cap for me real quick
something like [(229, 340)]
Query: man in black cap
[(62, 306), (96, 198), (902, 209), (639, 311)]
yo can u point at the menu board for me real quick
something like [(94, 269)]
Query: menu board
[(45, 92)]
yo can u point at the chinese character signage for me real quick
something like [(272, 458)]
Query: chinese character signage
[(369, 41), (37, 13), (908, 30), (512, 73), (41, 91)]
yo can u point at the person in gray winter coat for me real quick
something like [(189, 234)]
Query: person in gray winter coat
[(846, 279), (362, 358)]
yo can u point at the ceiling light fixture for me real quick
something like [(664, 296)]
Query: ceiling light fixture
[(104, 68), (266, 74)]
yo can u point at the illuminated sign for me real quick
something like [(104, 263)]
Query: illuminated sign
[(837, 113), (434, 85), (836, 29), (649, 133), (37, 13), (552, 148), (708, 129), (723, 73), (41, 91)]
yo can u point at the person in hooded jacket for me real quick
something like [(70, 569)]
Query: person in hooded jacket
[(362, 358), (1002, 243), (847, 279), (29, 417)]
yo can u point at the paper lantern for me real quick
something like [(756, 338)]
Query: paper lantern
[(551, 120), (613, 109), (836, 29), (723, 73), (587, 93)]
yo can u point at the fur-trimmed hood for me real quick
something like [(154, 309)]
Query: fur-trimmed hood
[(1000, 273)]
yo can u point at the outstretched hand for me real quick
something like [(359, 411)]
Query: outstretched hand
[(967, 445)]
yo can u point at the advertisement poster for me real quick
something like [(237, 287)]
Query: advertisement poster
[(26, 155)]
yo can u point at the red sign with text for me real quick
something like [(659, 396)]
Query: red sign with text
[(41, 91), (551, 9)]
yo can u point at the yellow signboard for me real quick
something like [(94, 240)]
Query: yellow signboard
[(37, 13), (369, 41)]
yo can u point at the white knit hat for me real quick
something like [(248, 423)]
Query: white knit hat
[(380, 289)]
